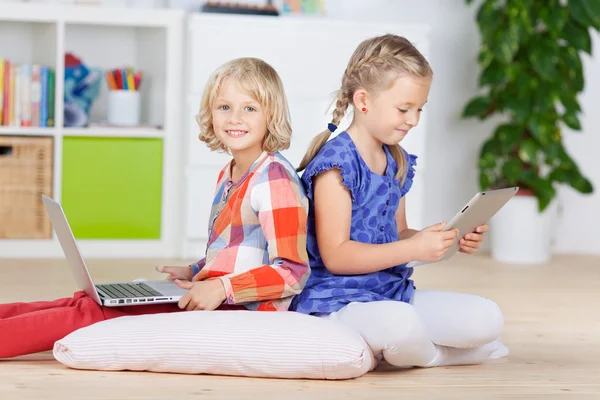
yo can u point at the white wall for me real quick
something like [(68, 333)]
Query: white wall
[(578, 229), (453, 144)]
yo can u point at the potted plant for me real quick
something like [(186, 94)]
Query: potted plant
[(531, 74)]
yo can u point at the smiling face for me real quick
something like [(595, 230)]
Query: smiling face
[(394, 111), (239, 121), (244, 109)]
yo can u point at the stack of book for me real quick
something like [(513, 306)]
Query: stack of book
[(26, 94)]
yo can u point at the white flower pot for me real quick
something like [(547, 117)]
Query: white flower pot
[(520, 234)]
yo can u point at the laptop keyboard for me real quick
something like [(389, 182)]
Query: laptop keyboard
[(128, 290)]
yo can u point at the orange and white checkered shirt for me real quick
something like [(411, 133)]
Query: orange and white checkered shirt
[(257, 236)]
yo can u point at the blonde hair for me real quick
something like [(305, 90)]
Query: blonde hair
[(259, 80), (369, 68)]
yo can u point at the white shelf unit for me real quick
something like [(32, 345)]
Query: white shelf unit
[(310, 55), (150, 40)]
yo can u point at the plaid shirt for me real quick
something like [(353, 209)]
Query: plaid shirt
[(257, 236)]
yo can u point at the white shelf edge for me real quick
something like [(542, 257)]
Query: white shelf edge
[(198, 17), (80, 14), (26, 131), (91, 132), (140, 133)]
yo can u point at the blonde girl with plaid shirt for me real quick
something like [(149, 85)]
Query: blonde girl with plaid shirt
[(256, 256)]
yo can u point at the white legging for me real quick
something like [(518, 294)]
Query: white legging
[(437, 328)]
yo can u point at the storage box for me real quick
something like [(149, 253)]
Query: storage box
[(112, 187), (25, 174)]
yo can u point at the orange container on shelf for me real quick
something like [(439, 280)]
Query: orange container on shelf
[(26, 165)]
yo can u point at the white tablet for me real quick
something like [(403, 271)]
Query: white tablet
[(478, 211)]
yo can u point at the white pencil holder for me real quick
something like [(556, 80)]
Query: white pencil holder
[(123, 107)]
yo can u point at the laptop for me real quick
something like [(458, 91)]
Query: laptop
[(107, 294)]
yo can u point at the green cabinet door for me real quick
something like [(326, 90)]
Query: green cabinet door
[(111, 187)]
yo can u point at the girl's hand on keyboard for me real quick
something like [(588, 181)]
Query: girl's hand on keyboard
[(204, 295), (183, 273)]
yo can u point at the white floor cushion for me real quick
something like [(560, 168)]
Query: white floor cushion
[(241, 343)]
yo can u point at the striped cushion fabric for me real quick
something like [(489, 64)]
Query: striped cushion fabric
[(238, 343)]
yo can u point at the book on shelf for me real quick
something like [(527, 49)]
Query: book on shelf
[(26, 94)]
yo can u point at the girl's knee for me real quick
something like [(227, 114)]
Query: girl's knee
[(403, 322), (488, 323), (385, 322), (496, 320)]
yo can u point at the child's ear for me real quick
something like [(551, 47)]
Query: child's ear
[(360, 99)]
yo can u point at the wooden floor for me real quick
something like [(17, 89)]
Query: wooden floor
[(552, 329)]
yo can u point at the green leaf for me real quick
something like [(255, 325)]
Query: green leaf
[(492, 75), (544, 60), (564, 173), (559, 175), (582, 185), (508, 136), (543, 98), (477, 106), (577, 36), (566, 161), (554, 17), (528, 152), (486, 177), (491, 145), (579, 12), (487, 17), (525, 21), (488, 156), (485, 56), (592, 8), (521, 102), (568, 98), (541, 129), (517, 103), (553, 152), (574, 68), (488, 161), (543, 190), (512, 70), (507, 43), (573, 177), (528, 175), (511, 171), (572, 121)]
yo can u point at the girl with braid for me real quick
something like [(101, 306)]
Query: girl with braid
[(358, 240)]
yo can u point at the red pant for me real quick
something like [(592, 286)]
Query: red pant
[(33, 327)]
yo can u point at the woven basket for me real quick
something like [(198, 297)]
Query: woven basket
[(25, 174)]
